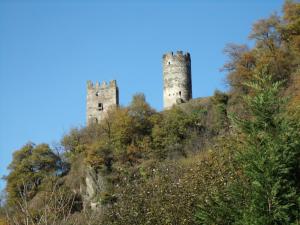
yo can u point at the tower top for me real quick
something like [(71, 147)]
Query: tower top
[(178, 54), (103, 85)]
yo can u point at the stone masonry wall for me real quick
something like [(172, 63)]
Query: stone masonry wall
[(177, 78), (100, 98)]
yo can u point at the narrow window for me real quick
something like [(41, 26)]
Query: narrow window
[(100, 106), (169, 63), (180, 93)]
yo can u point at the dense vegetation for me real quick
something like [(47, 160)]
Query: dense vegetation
[(232, 158)]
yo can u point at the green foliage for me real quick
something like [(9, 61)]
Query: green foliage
[(3, 220), (190, 164), (121, 129), (124, 134), (266, 144), (73, 143), (268, 156), (31, 165), (171, 130), (277, 48), (100, 155), (219, 118), (167, 192), (140, 112), (54, 204), (270, 161)]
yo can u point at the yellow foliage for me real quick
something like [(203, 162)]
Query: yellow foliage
[(3, 221)]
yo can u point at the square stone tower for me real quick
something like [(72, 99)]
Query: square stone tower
[(100, 98), (177, 77)]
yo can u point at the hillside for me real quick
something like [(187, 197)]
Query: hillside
[(231, 158)]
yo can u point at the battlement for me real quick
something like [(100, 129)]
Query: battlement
[(178, 54), (102, 86)]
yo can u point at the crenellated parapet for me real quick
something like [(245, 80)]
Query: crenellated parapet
[(103, 85), (179, 55)]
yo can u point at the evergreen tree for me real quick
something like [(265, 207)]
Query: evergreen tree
[(268, 157)]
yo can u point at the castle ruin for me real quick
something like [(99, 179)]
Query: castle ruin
[(177, 88), (177, 78), (100, 98)]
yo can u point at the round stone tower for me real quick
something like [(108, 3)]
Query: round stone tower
[(177, 78)]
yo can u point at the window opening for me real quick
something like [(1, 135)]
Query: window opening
[(100, 106)]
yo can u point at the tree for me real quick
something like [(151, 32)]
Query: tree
[(270, 160), (266, 34), (2, 209), (30, 167), (74, 142), (268, 157), (291, 30), (128, 128), (140, 112), (171, 130), (55, 205), (219, 121), (100, 154)]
